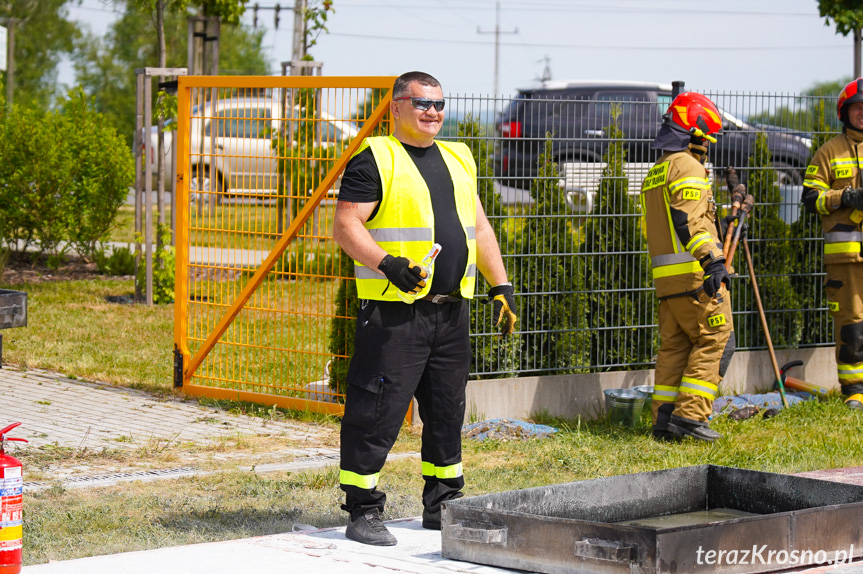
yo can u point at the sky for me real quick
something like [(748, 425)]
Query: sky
[(725, 45)]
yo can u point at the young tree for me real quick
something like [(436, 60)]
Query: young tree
[(773, 260), (104, 66), (805, 238), (544, 273), (614, 268), (43, 36), (497, 356)]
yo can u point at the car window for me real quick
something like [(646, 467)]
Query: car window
[(246, 122), (634, 107)]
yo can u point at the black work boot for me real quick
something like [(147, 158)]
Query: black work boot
[(431, 520), (370, 529), (854, 405), (660, 426), (697, 430)]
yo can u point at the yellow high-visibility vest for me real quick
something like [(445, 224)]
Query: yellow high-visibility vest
[(404, 223)]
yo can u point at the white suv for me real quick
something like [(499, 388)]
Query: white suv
[(236, 137)]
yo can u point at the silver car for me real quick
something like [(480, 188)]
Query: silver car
[(237, 138)]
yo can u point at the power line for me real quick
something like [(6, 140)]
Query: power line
[(586, 46)]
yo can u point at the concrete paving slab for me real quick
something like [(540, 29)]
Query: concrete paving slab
[(320, 552), (53, 409)]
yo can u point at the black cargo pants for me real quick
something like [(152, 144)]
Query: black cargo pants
[(402, 351)]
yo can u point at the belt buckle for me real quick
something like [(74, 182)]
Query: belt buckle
[(438, 298)]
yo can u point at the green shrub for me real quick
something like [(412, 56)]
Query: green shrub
[(772, 258), (120, 260), (343, 324), (163, 269), (102, 173), (807, 259), (63, 177), (554, 339), (614, 269), (493, 356)]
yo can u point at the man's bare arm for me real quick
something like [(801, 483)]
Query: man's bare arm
[(350, 233)]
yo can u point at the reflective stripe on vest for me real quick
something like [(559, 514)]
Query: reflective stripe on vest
[(404, 223), (843, 242), (451, 471)]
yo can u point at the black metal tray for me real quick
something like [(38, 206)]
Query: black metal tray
[(616, 524)]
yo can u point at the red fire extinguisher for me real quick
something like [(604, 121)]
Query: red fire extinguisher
[(11, 504)]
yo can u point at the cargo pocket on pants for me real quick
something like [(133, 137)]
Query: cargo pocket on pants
[(831, 289), (364, 398)]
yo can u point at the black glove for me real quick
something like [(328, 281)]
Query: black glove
[(406, 274), (853, 197), (715, 274), (504, 308), (726, 222)]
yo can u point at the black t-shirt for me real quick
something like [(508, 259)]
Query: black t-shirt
[(361, 183)]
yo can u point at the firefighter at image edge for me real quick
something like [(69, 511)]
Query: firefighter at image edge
[(834, 190), (695, 324)]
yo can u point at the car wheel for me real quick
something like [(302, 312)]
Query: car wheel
[(787, 174), (201, 185)]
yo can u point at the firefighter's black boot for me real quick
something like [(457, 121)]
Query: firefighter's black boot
[(431, 520), (370, 529), (698, 430), (660, 427)]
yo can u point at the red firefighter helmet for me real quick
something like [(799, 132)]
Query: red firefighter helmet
[(852, 92), (694, 113)]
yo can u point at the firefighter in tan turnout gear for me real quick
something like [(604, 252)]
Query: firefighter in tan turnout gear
[(833, 188), (695, 324)]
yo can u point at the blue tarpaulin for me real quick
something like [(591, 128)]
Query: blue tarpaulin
[(506, 429), (763, 401)]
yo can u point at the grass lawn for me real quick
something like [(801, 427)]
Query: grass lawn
[(72, 329)]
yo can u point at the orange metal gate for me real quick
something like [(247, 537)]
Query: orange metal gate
[(257, 271)]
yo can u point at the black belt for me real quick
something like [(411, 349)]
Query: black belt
[(441, 299)]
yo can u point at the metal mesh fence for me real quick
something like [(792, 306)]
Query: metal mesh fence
[(559, 178), (565, 165)]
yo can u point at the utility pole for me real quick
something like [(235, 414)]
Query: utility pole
[(857, 52), (497, 32)]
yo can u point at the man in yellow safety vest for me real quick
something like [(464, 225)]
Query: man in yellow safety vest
[(402, 197)]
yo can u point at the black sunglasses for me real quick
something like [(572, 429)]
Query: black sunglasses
[(424, 103)]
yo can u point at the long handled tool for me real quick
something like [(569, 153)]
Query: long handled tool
[(745, 209), (737, 192), (763, 318)]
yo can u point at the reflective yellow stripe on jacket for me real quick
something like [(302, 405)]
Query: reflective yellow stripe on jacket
[(404, 223)]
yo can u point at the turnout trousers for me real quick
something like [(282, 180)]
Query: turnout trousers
[(844, 287), (404, 351), (696, 344)]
